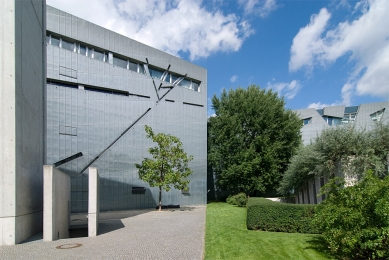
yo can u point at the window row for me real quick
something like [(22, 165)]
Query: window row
[(173, 78), (332, 120), (105, 56), (349, 118)]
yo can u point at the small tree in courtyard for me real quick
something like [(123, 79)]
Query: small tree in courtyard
[(169, 166)]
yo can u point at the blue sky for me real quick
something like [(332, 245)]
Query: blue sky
[(314, 53)]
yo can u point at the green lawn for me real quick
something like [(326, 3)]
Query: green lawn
[(228, 238)]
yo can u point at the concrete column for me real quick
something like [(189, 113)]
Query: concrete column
[(22, 123), (56, 207), (93, 203), (311, 192), (317, 181)]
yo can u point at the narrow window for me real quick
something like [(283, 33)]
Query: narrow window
[(119, 62), (133, 66), (185, 83), (377, 115), (195, 86), (174, 78), (99, 55), (141, 70), (155, 73), (307, 121), (82, 50), (89, 52), (167, 78), (67, 45), (54, 41)]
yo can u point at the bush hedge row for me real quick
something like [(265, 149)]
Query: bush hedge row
[(239, 199), (267, 215)]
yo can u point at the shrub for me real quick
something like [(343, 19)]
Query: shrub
[(355, 220), (239, 199), (267, 215)]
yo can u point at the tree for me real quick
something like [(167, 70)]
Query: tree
[(342, 149), (169, 166), (304, 165), (251, 139), (354, 220)]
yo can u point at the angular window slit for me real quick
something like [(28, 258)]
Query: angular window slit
[(107, 91), (62, 84), (192, 104), (68, 159), (137, 95), (92, 88)]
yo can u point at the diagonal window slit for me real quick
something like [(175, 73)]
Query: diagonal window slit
[(68, 159), (109, 146)]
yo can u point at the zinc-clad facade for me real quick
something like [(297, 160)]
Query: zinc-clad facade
[(362, 117), (98, 106)]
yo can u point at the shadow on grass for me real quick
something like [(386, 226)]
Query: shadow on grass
[(319, 244)]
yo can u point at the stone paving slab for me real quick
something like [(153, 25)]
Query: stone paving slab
[(142, 234)]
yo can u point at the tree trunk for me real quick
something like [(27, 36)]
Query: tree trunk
[(160, 198)]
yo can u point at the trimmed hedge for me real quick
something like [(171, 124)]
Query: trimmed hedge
[(267, 215)]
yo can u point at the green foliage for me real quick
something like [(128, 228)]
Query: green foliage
[(169, 166), (267, 215), (355, 220), (251, 139), (304, 165), (339, 149), (239, 199)]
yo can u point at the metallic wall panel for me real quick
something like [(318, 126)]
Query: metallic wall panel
[(99, 118)]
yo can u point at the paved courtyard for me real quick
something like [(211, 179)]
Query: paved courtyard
[(135, 234)]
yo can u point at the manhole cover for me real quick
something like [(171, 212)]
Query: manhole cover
[(69, 246)]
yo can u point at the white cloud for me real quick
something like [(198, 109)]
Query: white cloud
[(259, 7), (365, 39), (173, 26), (307, 43), (320, 105), (289, 90), (234, 78)]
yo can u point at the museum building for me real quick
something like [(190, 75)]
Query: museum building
[(80, 95)]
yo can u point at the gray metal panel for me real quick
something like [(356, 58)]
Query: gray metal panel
[(310, 131), (335, 111), (100, 118), (363, 119)]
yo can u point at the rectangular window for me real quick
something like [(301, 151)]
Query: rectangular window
[(155, 73), (82, 50), (306, 121), (99, 55), (54, 41), (141, 70), (67, 45), (119, 62), (174, 77), (336, 121), (185, 83), (377, 115), (167, 78), (349, 117), (89, 52), (195, 86), (133, 66), (48, 39)]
